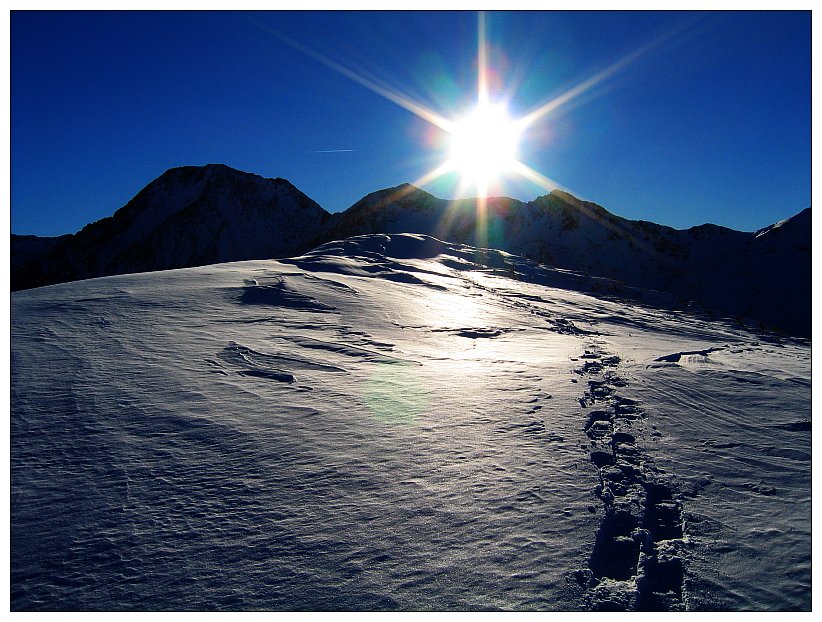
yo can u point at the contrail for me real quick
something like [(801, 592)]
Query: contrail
[(331, 151)]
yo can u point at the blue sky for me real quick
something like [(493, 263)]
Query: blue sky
[(710, 124)]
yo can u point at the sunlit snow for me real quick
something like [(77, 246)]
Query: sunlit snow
[(393, 422)]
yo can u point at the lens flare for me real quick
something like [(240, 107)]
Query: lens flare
[(483, 143)]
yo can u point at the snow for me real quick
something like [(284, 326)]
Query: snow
[(395, 422), (763, 276)]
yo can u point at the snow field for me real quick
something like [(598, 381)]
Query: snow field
[(396, 423)]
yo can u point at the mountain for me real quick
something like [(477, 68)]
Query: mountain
[(763, 275), (394, 422), (189, 216), (194, 216)]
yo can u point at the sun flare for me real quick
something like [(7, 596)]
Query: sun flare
[(484, 145)]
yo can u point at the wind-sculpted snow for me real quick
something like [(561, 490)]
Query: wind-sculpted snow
[(392, 422), (279, 293)]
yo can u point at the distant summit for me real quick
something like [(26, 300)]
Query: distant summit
[(193, 216), (189, 216)]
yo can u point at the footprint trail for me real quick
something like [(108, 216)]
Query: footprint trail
[(638, 562)]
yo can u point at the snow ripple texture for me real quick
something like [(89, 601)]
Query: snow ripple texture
[(397, 423)]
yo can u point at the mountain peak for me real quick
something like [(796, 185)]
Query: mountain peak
[(566, 197), (189, 216), (213, 171), (397, 193), (799, 221)]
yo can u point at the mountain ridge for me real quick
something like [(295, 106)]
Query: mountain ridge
[(199, 215)]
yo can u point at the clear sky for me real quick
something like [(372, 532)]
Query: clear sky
[(698, 117)]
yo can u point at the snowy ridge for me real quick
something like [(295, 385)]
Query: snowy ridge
[(395, 422), (203, 215), (760, 275)]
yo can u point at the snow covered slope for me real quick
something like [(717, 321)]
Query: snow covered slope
[(764, 275), (394, 422), (188, 216)]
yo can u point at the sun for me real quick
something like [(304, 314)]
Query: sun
[(483, 145)]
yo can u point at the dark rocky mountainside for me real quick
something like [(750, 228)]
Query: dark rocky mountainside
[(189, 216), (194, 216)]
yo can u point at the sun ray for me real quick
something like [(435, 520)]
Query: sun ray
[(574, 92), (463, 186), (482, 218), (533, 176), (484, 141), (443, 169), (482, 61), (380, 89)]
